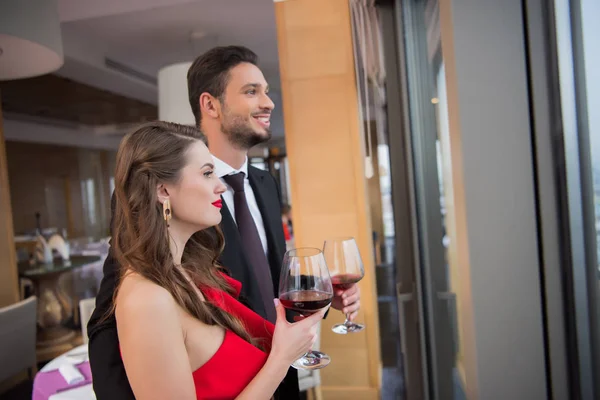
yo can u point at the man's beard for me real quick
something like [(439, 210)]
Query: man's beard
[(240, 134)]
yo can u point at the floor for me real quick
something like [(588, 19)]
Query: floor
[(392, 387), (20, 392)]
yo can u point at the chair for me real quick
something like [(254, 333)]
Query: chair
[(26, 288), (309, 380), (86, 308), (18, 338)]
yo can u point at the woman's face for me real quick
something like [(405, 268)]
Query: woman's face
[(196, 198)]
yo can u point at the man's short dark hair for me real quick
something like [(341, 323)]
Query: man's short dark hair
[(210, 72)]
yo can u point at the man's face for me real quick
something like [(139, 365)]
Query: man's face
[(246, 107)]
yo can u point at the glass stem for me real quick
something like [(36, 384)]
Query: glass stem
[(308, 354), (347, 322)]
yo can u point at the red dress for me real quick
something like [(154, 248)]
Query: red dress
[(236, 362)]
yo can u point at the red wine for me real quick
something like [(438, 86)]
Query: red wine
[(305, 301), (343, 281)]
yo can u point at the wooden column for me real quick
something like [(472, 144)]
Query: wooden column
[(9, 286), (326, 158)]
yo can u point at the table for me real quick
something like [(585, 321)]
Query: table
[(50, 385), (53, 305)]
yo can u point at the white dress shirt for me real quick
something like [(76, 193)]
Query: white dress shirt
[(222, 169)]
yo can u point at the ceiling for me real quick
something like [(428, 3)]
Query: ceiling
[(147, 35), (115, 48)]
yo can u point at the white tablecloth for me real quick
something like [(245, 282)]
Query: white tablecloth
[(81, 393), (75, 356)]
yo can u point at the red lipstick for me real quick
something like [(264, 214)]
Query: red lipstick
[(218, 203)]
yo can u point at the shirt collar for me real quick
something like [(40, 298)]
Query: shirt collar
[(222, 168)]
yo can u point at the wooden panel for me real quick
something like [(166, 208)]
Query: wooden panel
[(55, 97), (324, 60), (344, 393), (9, 287), (313, 14), (326, 152)]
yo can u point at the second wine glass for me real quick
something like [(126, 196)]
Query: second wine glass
[(305, 287), (346, 268)]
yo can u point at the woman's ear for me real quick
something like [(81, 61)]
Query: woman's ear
[(209, 105), (162, 193)]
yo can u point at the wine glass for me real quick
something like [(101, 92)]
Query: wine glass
[(305, 287), (346, 267)]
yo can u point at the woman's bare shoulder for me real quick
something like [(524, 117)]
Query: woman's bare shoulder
[(140, 295)]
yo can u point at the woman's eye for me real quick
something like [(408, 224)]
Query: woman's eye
[(209, 173)]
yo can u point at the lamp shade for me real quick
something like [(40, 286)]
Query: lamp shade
[(173, 104), (30, 38)]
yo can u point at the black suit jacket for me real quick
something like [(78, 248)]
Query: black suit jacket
[(110, 380), (267, 197)]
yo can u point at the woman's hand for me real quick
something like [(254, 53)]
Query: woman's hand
[(292, 341)]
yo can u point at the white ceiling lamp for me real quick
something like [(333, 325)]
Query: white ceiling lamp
[(173, 99), (173, 103), (30, 38)]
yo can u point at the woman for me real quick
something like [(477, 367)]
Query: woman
[(182, 332)]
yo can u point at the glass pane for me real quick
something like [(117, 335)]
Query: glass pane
[(591, 32), (577, 33), (435, 198), (590, 12)]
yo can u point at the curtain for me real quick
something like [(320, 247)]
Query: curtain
[(370, 71)]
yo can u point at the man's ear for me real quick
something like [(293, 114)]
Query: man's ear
[(209, 105)]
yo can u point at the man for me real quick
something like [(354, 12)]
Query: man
[(229, 98)]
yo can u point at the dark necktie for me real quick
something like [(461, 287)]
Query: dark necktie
[(251, 243)]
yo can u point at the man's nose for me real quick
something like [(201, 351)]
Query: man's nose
[(266, 102)]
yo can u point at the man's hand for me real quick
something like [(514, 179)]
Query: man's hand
[(347, 301)]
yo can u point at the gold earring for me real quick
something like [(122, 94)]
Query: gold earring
[(167, 211)]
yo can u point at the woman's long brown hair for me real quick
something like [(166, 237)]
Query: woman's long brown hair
[(155, 153)]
